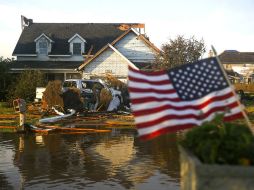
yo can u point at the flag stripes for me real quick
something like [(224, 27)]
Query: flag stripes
[(158, 108)]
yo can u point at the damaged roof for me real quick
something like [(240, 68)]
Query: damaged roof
[(96, 35)]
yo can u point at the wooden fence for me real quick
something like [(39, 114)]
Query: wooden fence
[(244, 87)]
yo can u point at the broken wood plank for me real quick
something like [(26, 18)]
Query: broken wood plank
[(8, 127)]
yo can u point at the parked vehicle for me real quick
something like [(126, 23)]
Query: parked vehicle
[(87, 88)]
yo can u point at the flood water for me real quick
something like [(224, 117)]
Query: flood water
[(115, 160)]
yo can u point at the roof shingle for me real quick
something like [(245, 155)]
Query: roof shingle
[(96, 34)]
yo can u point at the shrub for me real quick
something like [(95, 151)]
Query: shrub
[(221, 143), (25, 86)]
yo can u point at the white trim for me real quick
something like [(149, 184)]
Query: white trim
[(77, 35), (59, 55), (119, 53), (136, 32), (26, 55), (73, 70), (44, 36)]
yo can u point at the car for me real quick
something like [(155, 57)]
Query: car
[(86, 88)]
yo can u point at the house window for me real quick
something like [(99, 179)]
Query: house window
[(43, 47), (76, 48)]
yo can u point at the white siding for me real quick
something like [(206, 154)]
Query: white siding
[(107, 61), (135, 49), (47, 58)]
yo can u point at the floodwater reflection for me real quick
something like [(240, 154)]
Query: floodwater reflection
[(117, 160)]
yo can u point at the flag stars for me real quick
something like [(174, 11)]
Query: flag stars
[(197, 79)]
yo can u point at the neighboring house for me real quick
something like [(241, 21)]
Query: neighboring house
[(240, 64), (74, 50)]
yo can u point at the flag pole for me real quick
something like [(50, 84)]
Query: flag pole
[(247, 120)]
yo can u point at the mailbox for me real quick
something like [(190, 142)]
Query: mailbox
[(19, 105)]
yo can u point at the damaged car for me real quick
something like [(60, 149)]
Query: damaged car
[(90, 91)]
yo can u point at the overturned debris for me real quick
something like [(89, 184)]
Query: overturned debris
[(57, 118)]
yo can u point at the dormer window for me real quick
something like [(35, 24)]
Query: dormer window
[(77, 45), (76, 48), (43, 47), (43, 44)]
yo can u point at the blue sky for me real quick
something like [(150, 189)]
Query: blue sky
[(225, 24)]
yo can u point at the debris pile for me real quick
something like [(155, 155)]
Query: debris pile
[(52, 95)]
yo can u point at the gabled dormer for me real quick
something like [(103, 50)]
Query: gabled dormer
[(43, 44), (77, 45)]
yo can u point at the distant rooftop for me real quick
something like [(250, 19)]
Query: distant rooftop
[(234, 56)]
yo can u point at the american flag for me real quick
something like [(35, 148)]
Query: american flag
[(180, 98)]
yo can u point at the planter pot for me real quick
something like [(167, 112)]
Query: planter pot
[(198, 176)]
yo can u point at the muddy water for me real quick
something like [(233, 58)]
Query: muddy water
[(116, 160)]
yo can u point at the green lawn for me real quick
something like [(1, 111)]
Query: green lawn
[(5, 108)]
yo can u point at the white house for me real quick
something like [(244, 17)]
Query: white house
[(82, 50)]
